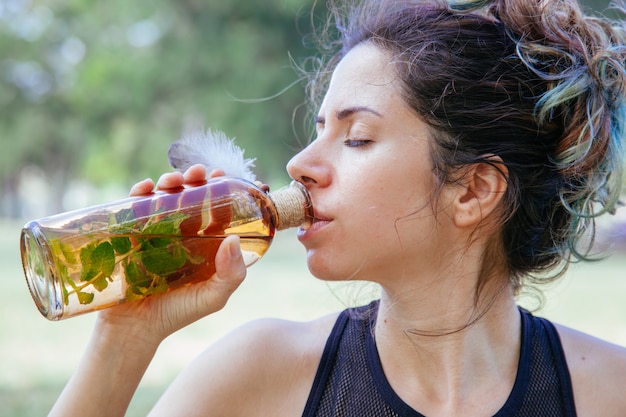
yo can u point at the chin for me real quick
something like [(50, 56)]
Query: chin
[(329, 271)]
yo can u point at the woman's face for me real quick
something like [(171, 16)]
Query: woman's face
[(370, 176)]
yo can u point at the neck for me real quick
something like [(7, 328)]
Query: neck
[(437, 356)]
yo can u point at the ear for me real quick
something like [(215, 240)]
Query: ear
[(483, 187)]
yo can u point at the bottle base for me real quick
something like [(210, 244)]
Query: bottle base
[(36, 262)]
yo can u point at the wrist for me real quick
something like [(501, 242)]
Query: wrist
[(114, 363), (127, 335)]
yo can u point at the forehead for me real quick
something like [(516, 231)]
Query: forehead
[(365, 76)]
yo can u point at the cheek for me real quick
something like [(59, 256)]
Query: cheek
[(396, 215), (394, 199)]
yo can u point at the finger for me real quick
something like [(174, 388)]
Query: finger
[(262, 186), (217, 173), (195, 175), (230, 268), (170, 181), (144, 187)]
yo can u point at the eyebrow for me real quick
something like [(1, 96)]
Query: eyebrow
[(342, 114)]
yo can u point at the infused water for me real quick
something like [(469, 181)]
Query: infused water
[(98, 257)]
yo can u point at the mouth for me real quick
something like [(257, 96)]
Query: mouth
[(315, 222), (318, 220), (318, 217)]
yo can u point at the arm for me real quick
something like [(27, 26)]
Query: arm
[(126, 337)]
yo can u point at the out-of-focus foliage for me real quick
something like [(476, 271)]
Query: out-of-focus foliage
[(97, 90)]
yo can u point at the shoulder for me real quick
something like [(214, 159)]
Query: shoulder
[(278, 342), (598, 371), (266, 366)]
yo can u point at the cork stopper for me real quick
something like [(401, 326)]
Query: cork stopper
[(293, 206)]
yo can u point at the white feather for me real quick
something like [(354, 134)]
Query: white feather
[(213, 149)]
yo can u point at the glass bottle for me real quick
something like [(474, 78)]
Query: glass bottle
[(97, 257)]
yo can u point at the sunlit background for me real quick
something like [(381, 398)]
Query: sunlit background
[(92, 94)]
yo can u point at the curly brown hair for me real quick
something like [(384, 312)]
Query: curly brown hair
[(536, 83)]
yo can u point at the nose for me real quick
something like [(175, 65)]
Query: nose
[(309, 167)]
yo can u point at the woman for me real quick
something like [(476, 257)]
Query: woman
[(460, 151)]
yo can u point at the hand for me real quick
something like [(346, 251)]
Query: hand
[(174, 181), (158, 316)]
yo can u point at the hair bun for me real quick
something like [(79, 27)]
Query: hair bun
[(609, 73)]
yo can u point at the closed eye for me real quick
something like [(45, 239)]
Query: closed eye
[(356, 143)]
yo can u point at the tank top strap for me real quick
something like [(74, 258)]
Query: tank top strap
[(326, 364), (543, 385)]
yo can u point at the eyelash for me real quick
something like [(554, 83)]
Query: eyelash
[(351, 143), (356, 143)]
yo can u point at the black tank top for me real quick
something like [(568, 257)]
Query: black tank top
[(350, 381)]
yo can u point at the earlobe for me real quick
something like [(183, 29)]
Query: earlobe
[(484, 186)]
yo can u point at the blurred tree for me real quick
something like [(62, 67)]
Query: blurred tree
[(98, 90)]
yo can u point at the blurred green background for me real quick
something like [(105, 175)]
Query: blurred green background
[(92, 94)]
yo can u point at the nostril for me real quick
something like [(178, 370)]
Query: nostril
[(306, 180)]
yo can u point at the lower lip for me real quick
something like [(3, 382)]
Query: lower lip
[(308, 233)]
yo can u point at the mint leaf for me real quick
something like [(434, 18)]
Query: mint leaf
[(100, 284), (135, 277), (158, 286), (63, 249), (66, 294), (86, 254), (155, 252), (168, 225), (159, 242), (125, 216), (133, 294), (121, 245), (68, 253), (85, 297), (163, 260), (125, 222), (97, 259)]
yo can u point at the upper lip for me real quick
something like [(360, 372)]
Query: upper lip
[(317, 213), (317, 216)]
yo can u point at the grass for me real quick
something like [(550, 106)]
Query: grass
[(39, 356)]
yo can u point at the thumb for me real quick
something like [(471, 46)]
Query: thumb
[(230, 269), (196, 301)]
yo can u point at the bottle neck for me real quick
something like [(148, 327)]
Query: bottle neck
[(293, 206)]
